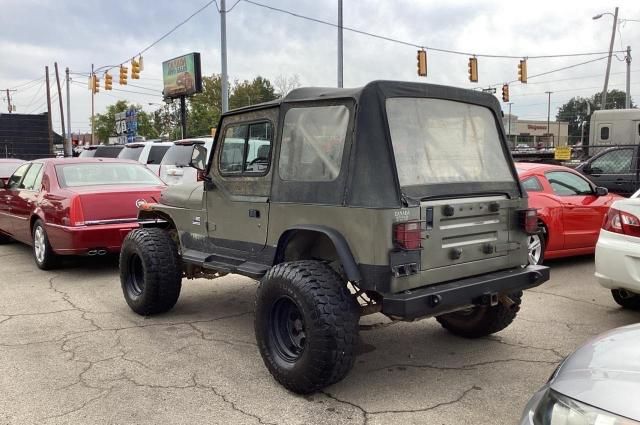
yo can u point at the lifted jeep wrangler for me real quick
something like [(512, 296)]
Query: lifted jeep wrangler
[(398, 198)]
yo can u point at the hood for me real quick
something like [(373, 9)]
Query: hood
[(187, 195), (605, 372)]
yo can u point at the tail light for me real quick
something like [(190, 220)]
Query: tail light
[(408, 235), (622, 222), (76, 214), (529, 220), (201, 175)]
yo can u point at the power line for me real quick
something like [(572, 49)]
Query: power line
[(422, 46)]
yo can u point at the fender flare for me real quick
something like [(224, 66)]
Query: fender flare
[(337, 239)]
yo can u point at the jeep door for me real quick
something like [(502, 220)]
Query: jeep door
[(238, 196)]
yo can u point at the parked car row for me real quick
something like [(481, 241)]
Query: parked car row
[(169, 160)]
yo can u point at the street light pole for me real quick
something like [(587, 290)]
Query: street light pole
[(340, 56), (613, 37), (223, 55), (548, 114)]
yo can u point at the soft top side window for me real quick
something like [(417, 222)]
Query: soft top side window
[(313, 141), (246, 149)]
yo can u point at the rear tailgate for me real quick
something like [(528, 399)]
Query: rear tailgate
[(480, 231)]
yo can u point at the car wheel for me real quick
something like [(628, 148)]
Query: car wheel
[(479, 321), (150, 271), (536, 245), (306, 324), (626, 299), (43, 254)]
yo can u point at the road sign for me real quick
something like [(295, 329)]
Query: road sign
[(562, 153), (126, 126)]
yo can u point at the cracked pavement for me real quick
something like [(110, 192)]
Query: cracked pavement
[(72, 352)]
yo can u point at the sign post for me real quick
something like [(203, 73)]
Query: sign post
[(126, 126), (182, 77)]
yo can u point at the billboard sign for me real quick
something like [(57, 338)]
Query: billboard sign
[(181, 76)]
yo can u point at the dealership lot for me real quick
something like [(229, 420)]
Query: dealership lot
[(72, 352)]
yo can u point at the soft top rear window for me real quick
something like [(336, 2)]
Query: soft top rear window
[(105, 173), (442, 141)]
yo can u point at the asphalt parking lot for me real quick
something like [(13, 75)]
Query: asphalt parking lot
[(72, 352)]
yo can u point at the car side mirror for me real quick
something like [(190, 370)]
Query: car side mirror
[(586, 169), (602, 191), (198, 158)]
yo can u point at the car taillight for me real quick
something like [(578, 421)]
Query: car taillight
[(201, 176), (76, 214), (621, 222), (529, 220), (408, 235)]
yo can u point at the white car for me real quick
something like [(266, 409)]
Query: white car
[(149, 153), (618, 253), (174, 168)]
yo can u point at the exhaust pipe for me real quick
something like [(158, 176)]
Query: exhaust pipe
[(92, 252), (102, 252)]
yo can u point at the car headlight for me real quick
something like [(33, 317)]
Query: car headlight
[(556, 409)]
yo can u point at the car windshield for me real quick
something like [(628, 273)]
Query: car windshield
[(179, 155), (7, 168), (105, 173), (442, 141), (131, 152)]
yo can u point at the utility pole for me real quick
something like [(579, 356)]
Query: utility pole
[(46, 75), (509, 130), (67, 146), (93, 94), (64, 136), (549, 114), (340, 56), (9, 106), (223, 55), (606, 76), (627, 101)]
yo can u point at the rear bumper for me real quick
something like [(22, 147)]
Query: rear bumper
[(618, 261), (82, 239), (437, 299)]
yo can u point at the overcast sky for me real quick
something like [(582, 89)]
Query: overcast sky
[(76, 33)]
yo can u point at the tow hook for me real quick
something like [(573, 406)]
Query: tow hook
[(506, 300), (487, 299)]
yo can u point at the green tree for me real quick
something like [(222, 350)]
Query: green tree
[(245, 93), (577, 111), (105, 124), (205, 108)]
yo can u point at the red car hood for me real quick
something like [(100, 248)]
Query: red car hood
[(114, 202)]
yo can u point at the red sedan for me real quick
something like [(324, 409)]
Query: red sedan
[(570, 209), (82, 206)]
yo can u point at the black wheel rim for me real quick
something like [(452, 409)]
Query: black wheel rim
[(136, 276), (287, 329)]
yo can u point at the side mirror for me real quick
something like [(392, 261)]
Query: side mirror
[(198, 158), (586, 169), (602, 191)]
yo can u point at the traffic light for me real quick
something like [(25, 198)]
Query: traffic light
[(522, 71), (141, 63), (422, 63), (505, 92), (96, 84), (123, 75), (473, 69), (108, 81), (135, 69)]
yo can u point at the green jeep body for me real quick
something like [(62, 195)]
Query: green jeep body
[(340, 175)]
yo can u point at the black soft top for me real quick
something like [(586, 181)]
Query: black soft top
[(371, 179)]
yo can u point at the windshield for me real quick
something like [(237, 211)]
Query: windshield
[(179, 155), (105, 173), (131, 152), (442, 141)]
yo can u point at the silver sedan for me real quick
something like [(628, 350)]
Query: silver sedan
[(596, 385)]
